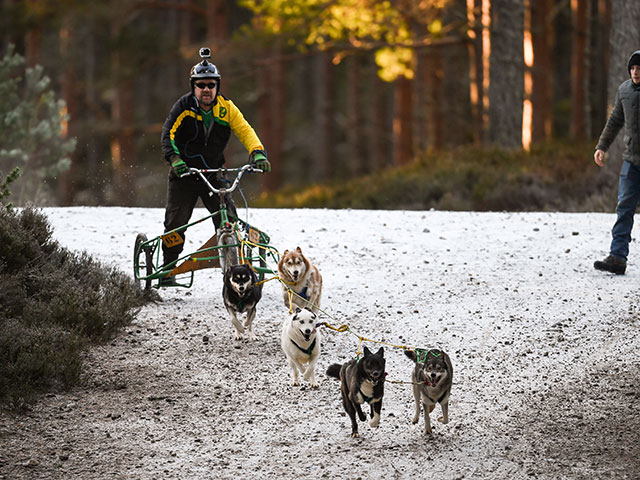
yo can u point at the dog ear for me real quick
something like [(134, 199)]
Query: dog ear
[(298, 310), (367, 352), (298, 249), (380, 352)]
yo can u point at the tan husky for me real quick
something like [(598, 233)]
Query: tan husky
[(303, 278)]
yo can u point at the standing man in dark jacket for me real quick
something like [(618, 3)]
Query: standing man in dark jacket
[(195, 135), (625, 114)]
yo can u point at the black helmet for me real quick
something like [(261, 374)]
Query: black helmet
[(204, 69)]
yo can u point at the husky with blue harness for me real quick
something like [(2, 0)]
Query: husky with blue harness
[(301, 281)]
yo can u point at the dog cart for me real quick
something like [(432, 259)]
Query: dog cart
[(236, 241)]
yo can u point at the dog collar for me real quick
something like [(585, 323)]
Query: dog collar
[(308, 350)]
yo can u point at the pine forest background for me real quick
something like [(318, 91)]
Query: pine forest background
[(362, 103)]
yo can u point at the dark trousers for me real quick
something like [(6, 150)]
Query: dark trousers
[(628, 196), (182, 195)]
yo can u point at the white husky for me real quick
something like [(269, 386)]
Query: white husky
[(301, 344)]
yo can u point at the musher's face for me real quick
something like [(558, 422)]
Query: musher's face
[(635, 74), (205, 91)]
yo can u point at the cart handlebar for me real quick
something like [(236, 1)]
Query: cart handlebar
[(248, 168)]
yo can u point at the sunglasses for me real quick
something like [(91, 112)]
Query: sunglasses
[(211, 85)]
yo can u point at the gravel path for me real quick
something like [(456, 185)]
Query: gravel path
[(544, 350)]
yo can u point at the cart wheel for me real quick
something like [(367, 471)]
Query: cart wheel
[(142, 262)]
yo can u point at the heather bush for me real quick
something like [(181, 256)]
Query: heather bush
[(53, 302), (552, 177)]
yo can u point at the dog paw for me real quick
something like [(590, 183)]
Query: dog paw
[(238, 336), (443, 420), (415, 419), (355, 435), (314, 384), (375, 422)]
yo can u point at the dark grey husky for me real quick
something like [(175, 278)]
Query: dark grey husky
[(432, 378), (362, 380)]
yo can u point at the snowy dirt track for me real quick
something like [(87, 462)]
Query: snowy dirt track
[(544, 349)]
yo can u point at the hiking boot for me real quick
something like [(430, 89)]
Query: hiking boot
[(168, 282), (611, 264)]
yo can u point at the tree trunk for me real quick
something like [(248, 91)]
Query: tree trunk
[(378, 128), (436, 103), (455, 102), (579, 62), (69, 93), (122, 151), (478, 59), (324, 140), (217, 21), (355, 123), (506, 89), (271, 107), (542, 70), (600, 28), (33, 37), (402, 122)]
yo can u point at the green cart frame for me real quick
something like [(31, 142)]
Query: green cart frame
[(236, 241)]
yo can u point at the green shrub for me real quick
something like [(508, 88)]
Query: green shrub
[(550, 177), (53, 302), (33, 120)]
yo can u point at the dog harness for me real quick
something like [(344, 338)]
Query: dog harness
[(240, 302), (308, 350), (364, 397)]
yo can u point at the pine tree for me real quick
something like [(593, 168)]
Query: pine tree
[(32, 124)]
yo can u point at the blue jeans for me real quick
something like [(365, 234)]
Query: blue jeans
[(628, 196)]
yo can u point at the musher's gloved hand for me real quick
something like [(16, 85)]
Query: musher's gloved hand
[(179, 167), (259, 159)]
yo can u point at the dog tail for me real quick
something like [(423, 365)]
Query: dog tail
[(411, 354), (334, 370)]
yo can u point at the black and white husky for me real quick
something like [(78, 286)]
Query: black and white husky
[(241, 294), (301, 344), (432, 378), (361, 381)]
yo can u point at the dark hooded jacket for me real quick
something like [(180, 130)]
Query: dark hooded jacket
[(625, 114)]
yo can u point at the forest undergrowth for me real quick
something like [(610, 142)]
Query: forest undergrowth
[(552, 177)]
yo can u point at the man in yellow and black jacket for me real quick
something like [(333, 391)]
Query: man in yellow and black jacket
[(195, 135)]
